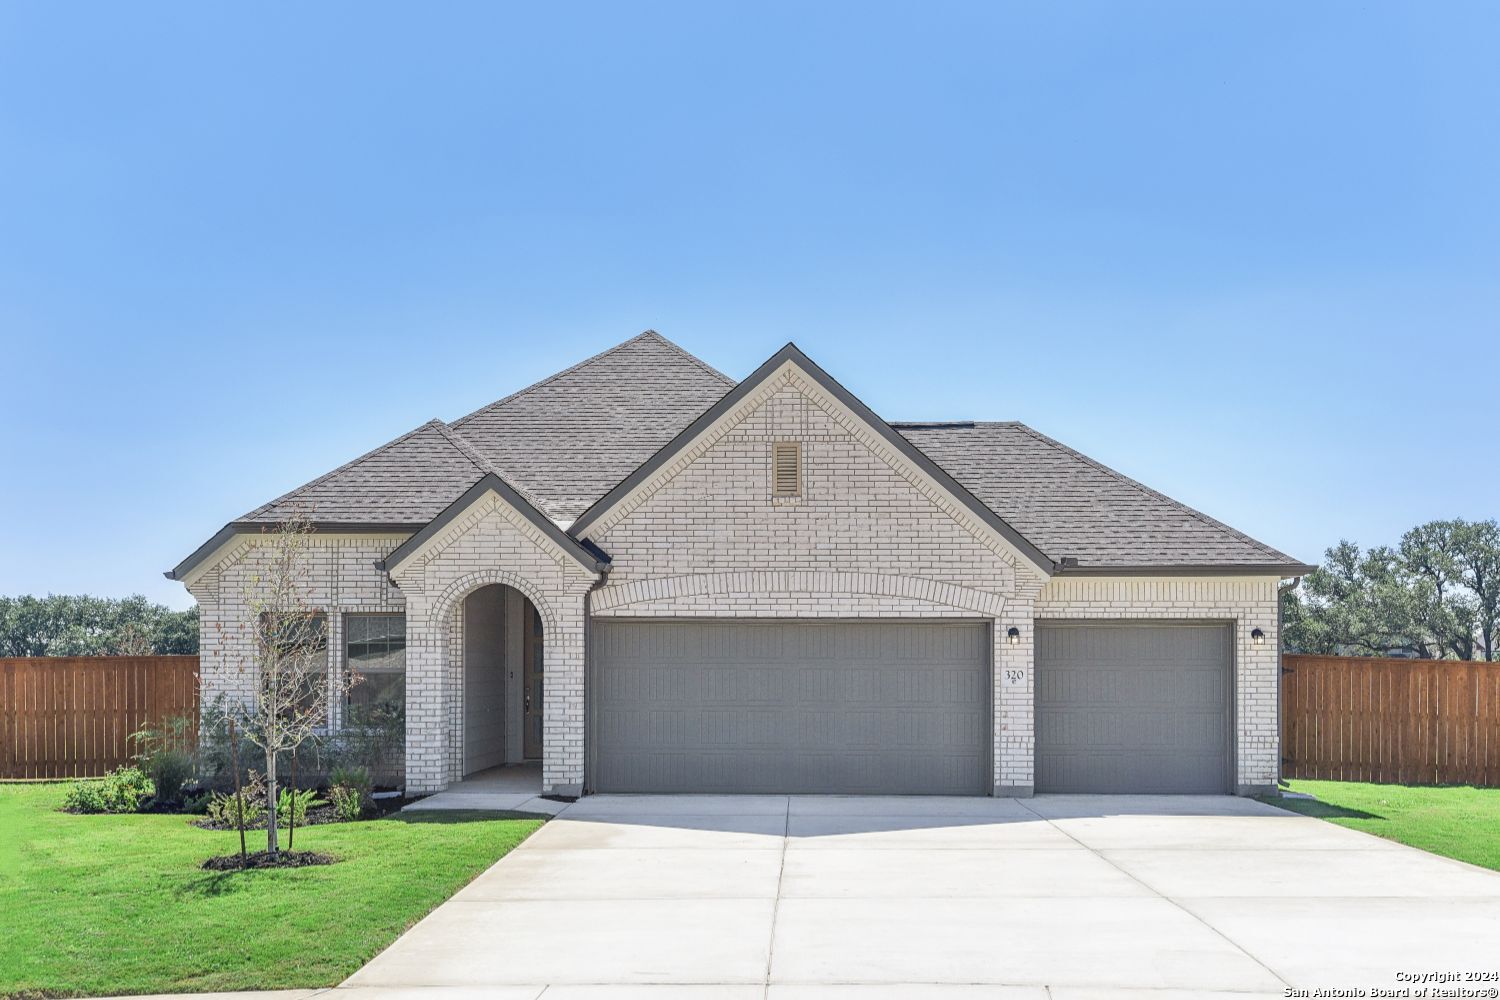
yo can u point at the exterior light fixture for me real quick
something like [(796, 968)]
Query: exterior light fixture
[(1013, 635), (1257, 636)]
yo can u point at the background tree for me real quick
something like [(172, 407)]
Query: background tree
[(1437, 594), (81, 625)]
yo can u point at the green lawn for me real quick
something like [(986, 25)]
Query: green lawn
[(118, 904), (1457, 821)]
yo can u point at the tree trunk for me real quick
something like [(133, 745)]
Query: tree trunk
[(291, 809), (239, 793), (272, 846)]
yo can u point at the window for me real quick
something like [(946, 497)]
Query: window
[(786, 469), (375, 656), (301, 637)]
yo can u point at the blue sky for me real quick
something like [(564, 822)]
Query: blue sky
[(1245, 253)]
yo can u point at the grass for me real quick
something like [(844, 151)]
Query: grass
[(1456, 821), (117, 904)]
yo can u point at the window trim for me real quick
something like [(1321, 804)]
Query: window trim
[(345, 665)]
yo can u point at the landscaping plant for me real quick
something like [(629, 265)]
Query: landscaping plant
[(123, 790), (347, 803), (160, 754), (292, 806), (242, 809)]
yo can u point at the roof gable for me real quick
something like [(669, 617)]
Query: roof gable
[(744, 393), (591, 559)]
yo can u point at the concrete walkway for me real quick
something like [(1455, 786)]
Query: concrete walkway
[(838, 898), (512, 788)]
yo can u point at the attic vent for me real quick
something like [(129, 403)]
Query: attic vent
[(786, 469)]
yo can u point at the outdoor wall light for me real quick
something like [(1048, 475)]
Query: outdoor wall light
[(1257, 636), (1013, 634)]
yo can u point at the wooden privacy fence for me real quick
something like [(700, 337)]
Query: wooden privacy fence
[(1411, 722), (71, 716)]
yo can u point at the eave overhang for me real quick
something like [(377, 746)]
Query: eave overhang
[(1282, 570), (234, 529)]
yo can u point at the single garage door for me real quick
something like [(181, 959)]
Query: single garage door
[(1133, 708), (777, 706)]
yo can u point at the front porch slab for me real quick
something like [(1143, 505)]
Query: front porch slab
[(511, 788)]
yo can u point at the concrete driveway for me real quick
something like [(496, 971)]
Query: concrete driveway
[(817, 898)]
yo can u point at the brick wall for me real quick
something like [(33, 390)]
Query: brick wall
[(341, 578)]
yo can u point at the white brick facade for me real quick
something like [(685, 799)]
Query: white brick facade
[(870, 537), (490, 543), (341, 577)]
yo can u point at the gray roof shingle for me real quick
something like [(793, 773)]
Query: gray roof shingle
[(407, 481), (1069, 505), (571, 437), (566, 441)]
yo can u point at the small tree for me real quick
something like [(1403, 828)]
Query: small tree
[(288, 642)]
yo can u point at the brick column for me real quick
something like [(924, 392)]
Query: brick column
[(563, 720), (1015, 692), (426, 690)]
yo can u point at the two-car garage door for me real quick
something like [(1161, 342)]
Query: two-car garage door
[(902, 707), (854, 707)]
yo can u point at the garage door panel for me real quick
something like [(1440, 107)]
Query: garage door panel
[(1133, 708), (856, 707)]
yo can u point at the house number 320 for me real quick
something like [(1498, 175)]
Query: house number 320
[(1013, 676)]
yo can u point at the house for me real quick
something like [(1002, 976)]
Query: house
[(655, 579)]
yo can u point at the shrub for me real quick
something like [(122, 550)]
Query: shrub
[(350, 793), (224, 808), (288, 802), (170, 770), (348, 803), (356, 779), (122, 790)]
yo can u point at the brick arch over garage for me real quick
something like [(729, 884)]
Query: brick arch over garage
[(809, 582)]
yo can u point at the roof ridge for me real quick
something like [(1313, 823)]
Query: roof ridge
[(955, 423), (485, 467), (1121, 477), (343, 468), (643, 335), (691, 357)]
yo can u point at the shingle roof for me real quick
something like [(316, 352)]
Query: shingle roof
[(407, 481), (561, 443), (1069, 505), (571, 437), (566, 441)]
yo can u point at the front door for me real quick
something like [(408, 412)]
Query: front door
[(531, 723)]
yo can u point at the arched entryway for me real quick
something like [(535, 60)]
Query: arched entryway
[(502, 680)]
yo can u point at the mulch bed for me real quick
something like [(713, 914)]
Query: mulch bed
[(264, 859), (316, 816)]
